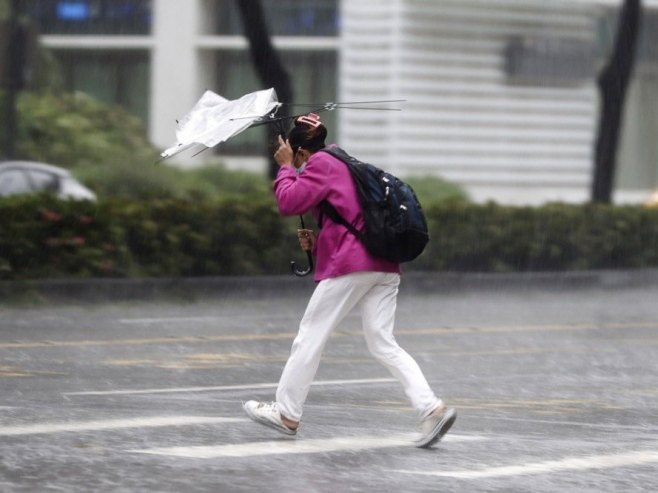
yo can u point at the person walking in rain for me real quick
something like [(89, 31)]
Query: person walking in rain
[(347, 276)]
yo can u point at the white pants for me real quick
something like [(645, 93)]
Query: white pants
[(332, 300)]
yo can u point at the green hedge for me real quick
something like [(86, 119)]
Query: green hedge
[(41, 237), (494, 238), (45, 238)]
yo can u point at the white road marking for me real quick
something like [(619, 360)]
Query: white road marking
[(292, 446), (561, 423), (167, 320), (607, 461), (254, 386), (198, 319), (113, 424)]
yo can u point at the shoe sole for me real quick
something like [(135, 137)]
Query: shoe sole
[(441, 429), (269, 424)]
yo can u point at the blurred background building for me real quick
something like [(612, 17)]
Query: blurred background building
[(501, 94)]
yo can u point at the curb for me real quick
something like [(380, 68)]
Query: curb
[(101, 290), (545, 281)]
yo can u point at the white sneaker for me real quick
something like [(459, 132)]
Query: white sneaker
[(434, 426), (267, 413)]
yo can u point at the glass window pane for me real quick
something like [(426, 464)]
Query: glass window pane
[(118, 77), (314, 82), (43, 181), (95, 78), (13, 181), (647, 43), (90, 16), (135, 86), (284, 17)]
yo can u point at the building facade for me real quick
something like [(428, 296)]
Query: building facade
[(501, 95)]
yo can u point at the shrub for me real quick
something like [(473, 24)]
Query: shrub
[(495, 238), (432, 189), (108, 150), (76, 131), (41, 237)]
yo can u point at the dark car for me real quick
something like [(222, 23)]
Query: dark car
[(18, 177)]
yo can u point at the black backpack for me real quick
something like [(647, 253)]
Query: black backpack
[(395, 226)]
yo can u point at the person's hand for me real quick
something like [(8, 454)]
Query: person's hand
[(306, 239), (283, 154)]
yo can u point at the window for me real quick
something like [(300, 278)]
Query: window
[(13, 181), (647, 43), (314, 81), (90, 16), (284, 17), (43, 181), (549, 60), (119, 77)]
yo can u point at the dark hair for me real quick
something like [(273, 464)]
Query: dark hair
[(307, 136)]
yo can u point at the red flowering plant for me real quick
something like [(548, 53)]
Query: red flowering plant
[(42, 237)]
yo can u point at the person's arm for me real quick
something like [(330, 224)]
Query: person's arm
[(297, 194)]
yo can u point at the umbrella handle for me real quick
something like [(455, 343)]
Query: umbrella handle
[(293, 266), (302, 272)]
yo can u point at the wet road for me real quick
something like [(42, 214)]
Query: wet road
[(556, 386)]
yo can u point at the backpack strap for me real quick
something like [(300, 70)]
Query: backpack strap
[(326, 208), (330, 211)]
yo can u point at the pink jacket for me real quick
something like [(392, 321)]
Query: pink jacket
[(337, 251)]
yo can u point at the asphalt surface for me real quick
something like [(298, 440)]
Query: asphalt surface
[(555, 380)]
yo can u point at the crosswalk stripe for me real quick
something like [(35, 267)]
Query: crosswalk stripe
[(636, 458), (298, 446), (254, 386), (113, 424)]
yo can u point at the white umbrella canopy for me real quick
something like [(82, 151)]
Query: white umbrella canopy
[(215, 119)]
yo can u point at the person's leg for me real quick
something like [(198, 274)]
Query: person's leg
[(378, 314), (330, 303)]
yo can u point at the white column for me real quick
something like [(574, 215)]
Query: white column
[(175, 67)]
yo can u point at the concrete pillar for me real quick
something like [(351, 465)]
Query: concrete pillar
[(175, 68)]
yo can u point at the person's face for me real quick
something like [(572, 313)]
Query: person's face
[(300, 158)]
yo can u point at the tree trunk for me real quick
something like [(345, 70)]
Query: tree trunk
[(265, 58), (14, 69), (613, 83)]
